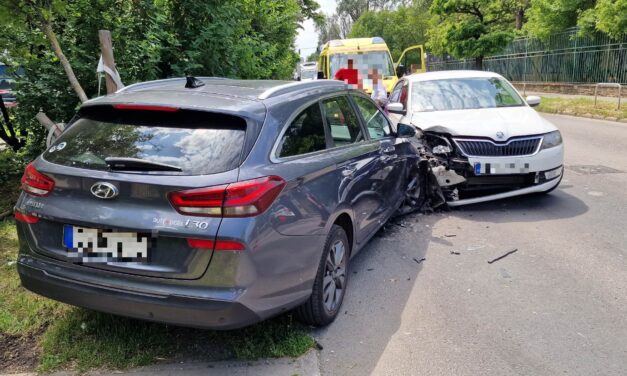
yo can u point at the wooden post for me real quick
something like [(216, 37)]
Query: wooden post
[(106, 48)]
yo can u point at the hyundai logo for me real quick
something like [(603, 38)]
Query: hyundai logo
[(104, 190), (500, 135)]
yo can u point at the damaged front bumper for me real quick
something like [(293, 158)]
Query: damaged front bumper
[(539, 188), (447, 176)]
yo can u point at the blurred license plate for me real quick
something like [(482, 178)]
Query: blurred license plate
[(95, 245)]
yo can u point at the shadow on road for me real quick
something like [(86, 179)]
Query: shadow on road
[(529, 208), (383, 275)]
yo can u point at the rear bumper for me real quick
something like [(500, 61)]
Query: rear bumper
[(39, 277)]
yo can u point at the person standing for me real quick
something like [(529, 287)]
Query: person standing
[(348, 75), (379, 94)]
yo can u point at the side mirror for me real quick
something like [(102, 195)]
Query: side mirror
[(405, 130), (320, 76), (400, 70), (396, 108), (533, 100)]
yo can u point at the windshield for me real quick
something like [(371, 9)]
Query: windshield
[(308, 74), (363, 62), (463, 94), (195, 143)]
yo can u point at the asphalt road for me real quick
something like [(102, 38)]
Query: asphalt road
[(556, 306)]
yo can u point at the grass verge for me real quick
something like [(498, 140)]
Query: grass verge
[(583, 107), (36, 332)]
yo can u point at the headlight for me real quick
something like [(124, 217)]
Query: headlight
[(551, 140)]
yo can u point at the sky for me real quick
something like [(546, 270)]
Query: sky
[(307, 39)]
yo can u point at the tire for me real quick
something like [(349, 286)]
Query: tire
[(324, 304)]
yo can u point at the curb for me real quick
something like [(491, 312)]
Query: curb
[(595, 117), (305, 365)]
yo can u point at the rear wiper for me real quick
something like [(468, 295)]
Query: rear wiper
[(136, 164)]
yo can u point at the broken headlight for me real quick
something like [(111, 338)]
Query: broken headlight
[(441, 149), (551, 140)]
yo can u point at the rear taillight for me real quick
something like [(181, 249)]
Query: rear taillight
[(144, 107), (36, 183), (242, 199), (26, 218)]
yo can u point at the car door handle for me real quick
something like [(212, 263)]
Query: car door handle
[(348, 172)]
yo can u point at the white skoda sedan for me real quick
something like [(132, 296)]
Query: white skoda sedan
[(487, 141)]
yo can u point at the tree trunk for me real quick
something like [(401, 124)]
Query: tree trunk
[(479, 63), (520, 15), (47, 29)]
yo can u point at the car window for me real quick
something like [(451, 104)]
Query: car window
[(396, 92), (376, 123), (196, 142), (304, 135), (342, 121), (463, 94), (403, 98)]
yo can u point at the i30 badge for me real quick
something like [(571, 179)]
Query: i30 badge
[(104, 190), (500, 135)]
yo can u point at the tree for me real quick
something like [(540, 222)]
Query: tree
[(41, 13), (470, 28), (313, 56), (546, 17), (607, 16), (400, 28), (330, 29), (152, 39)]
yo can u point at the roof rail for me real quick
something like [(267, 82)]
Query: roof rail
[(148, 84), (294, 86)]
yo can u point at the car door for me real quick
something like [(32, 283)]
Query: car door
[(399, 94), (411, 61), (392, 156), (358, 166)]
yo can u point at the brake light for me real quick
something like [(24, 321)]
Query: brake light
[(242, 199), (220, 245), (145, 107), (36, 183), (26, 218)]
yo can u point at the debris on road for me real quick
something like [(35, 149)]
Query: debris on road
[(455, 253), (419, 261), (503, 256), (449, 235)]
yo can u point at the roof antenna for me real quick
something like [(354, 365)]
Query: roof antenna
[(193, 82)]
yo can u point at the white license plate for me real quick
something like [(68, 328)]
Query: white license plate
[(94, 245)]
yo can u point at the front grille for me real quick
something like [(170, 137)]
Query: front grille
[(485, 148)]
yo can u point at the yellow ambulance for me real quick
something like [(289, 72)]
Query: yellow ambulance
[(368, 53)]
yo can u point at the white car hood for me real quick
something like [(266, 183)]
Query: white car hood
[(485, 122)]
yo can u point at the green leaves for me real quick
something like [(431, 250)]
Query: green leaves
[(152, 39), (471, 28)]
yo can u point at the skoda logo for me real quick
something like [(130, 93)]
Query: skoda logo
[(104, 191), (500, 134)]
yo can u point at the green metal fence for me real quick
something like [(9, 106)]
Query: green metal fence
[(563, 57)]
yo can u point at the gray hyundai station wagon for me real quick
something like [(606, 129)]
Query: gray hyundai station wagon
[(209, 202)]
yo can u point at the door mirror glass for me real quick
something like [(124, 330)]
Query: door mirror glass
[(406, 130), (396, 108), (533, 100)]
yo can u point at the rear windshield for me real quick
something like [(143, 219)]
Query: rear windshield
[(197, 143)]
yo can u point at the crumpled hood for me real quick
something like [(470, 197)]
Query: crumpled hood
[(486, 122)]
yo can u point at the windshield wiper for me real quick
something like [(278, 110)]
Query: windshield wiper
[(136, 164)]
